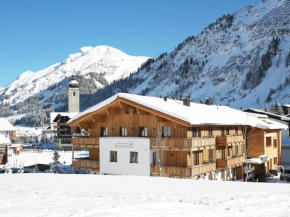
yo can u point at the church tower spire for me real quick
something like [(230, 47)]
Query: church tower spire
[(74, 95)]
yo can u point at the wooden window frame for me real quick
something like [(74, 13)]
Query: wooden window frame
[(166, 132), (143, 132), (133, 157), (113, 156), (123, 131), (268, 140), (104, 132), (275, 143)]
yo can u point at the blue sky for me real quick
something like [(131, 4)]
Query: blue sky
[(35, 34)]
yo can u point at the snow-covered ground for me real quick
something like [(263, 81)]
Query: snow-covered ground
[(44, 157), (45, 195)]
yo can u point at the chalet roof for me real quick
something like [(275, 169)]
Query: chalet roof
[(196, 114), (53, 115), (5, 125), (4, 140), (272, 115)]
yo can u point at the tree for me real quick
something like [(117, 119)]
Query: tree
[(55, 166), (277, 108)]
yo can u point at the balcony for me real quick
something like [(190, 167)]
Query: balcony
[(85, 142), (183, 172), (91, 165), (223, 141), (185, 144), (232, 162)]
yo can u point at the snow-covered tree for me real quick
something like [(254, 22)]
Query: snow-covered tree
[(55, 166), (277, 108)]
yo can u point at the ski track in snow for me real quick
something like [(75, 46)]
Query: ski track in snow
[(45, 195)]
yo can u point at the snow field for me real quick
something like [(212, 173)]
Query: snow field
[(93, 195)]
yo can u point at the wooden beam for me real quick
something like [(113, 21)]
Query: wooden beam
[(113, 111), (124, 105), (142, 112), (85, 125)]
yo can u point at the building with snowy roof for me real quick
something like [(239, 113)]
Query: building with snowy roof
[(4, 142), (141, 135), (7, 129), (58, 120)]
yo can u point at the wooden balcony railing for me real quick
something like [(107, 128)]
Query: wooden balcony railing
[(184, 143), (223, 163), (224, 140), (189, 172), (86, 165), (85, 142)]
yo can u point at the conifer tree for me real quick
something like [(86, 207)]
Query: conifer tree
[(277, 108)]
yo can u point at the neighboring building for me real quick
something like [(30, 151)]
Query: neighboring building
[(58, 120), (4, 142), (149, 136), (7, 129), (282, 136), (286, 109)]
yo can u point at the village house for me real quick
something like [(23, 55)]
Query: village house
[(150, 136), (7, 129), (4, 142)]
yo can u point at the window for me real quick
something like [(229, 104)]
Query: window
[(209, 131), (227, 130), (210, 155), (133, 157), (195, 158), (275, 160), (123, 131), (229, 151), (236, 130), (143, 131), (135, 110), (268, 141), (74, 93), (127, 111), (104, 131), (165, 131), (275, 143), (113, 156), (154, 160), (196, 131), (222, 131), (236, 150)]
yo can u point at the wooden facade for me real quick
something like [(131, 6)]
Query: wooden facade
[(265, 142), (178, 149), (3, 154)]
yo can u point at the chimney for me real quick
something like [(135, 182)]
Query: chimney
[(186, 102), (180, 97), (208, 101), (165, 98)]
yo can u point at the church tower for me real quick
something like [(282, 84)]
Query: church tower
[(74, 95)]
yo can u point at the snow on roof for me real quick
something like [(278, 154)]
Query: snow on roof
[(196, 114), (4, 140), (283, 118), (5, 125), (54, 114), (73, 82), (15, 145)]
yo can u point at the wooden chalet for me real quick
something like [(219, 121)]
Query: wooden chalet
[(141, 135)]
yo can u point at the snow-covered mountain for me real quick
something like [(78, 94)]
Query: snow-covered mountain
[(242, 59), (106, 62)]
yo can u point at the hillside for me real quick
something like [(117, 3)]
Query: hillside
[(243, 59), (46, 89)]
